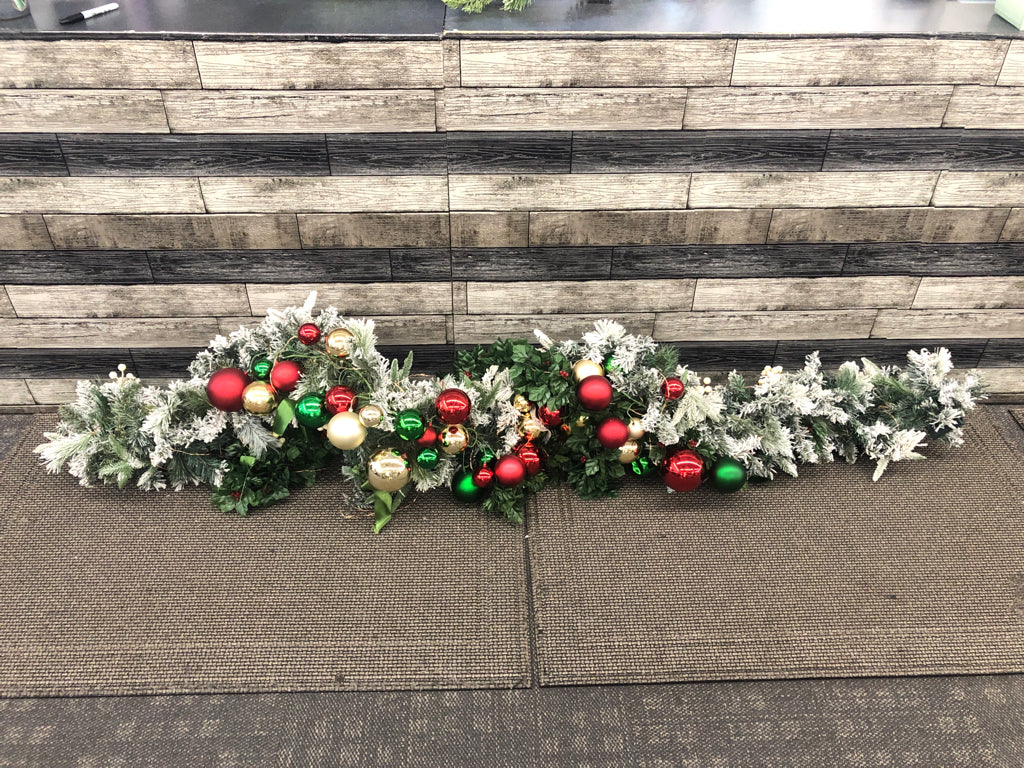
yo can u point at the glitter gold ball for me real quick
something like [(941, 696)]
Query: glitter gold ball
[(582, 369), (336, 342), (388, 471), (259, 397), (629, 451), (370, 415), (345, 431), (635, 430)]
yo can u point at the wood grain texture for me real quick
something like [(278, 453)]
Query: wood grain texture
[(925, 148), (835, 352), (483, 329), (970, 293), (42, 363), (107, 111), (515, 264), (98, 64), (934, 259), (393, 330), (307, 65), (596, 63), (1012, 72), (954, 324), (451, 61), (6, 309), (297, 111), (494, 229), (343, 194), (980, 188), (510, 152), (1003, 353), (568, 192), (419, 264), (841, 107), (373, 230), (102, 301), (104, 334), (1013, 230), (24, 231), (168, 362), (564, 109), (815, 190), (701, 356), (356, 298), (848, 225), (1003, 380), (552, 297), (269, 266), (173, 231), (865, 61), (31, 154), (387, 154), (75, 267), (649, 227), (804, 293), (15, 392), (767, 326), (100, 195), (979, 106), (60, 391), (653, 261)]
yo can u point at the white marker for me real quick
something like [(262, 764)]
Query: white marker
[(83, 15)]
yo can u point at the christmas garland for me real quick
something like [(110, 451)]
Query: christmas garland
[(476, 6), (268, 408)]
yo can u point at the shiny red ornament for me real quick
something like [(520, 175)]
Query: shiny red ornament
[(340, 399), (672, 388), (531, 456), (549, 418), (612, 433), (483, 477), (224, 389), (309, 334), (428, 438), (453, 406), (594, 393), (509, 471), (683, 470), (285, 375)]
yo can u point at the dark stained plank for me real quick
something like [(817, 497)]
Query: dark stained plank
[(71, 362), (531, 263), (834, 352), (725, 355), (169, 362), (660, 261), (426, 358), (195, 155), (421, 264), (1003, 353), (488, 152), (74, 267), (271, 266), (660, 151), (926, 148), (935, 259), (31, 154), (386, 154)]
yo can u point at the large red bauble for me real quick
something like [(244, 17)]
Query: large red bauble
[(612, 433), (483, 477), (285, 375), (339, 399), (683, 470), (549, 418), (428, 438), (453, 406), (309, 333), (672, 388), (531, 457), (509, 471), (224, 389), (595, 393)]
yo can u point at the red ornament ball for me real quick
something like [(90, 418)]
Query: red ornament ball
[(224, 389), (531, 457), (509, 471), (453, 406), (683, 470), (549, 418), (672, 388), (285, 375), (483, 477), (612, 433), (309, 334), (340, 399), (428, 438), (594, 393)]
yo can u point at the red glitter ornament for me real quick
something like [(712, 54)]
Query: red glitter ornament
[(531, 456), (483, 477), (309, 334), (672, 388), (683, 470), (612, 433), (340, 399), (453, 406), (549, 418), (428, 438), (594, 393), (510, 471), (224, 389), (285, 375)]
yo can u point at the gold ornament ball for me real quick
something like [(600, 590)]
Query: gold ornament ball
[(259, 397), (635, 430), (530, 428), (521, 404), (336, 342), (453, 439), (388, 471), (583, 369), (345, 431), (582, 420), (370, 415), (629, 451)]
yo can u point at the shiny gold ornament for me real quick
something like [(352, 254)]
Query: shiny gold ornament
[(259, 397), (388, 471), (582, 420), (629, 451), (345, 431), (582, 369), (336, 342), (635, 430), (521, 404), (453, 439), (371, 415), (530, 428)]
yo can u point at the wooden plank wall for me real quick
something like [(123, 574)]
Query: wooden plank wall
[(748, 200)]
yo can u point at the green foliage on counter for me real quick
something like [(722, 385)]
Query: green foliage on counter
[(476, 6)]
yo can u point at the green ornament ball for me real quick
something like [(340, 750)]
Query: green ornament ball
[(410, 424), (728, 475), (261, 368), (311, 412), (642, 466), (427, 458), (610, 364), (465, 490)]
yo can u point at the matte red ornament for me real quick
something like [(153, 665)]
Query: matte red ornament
[(453, 406), (549, 418), (224, 389), (683, 470), (672, 388), (531, 456), (483, 477), (594, 393), (428, 438), (285, 375), (340, 399), (509, 471), (309, 334), (612, 433)]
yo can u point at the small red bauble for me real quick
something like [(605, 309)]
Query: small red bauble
[(509, 471), (483, 477), (612, 433), (453, 406), (531, 457), (672, 388), (340, 399), (285, 375), (224, 389), (683, 470), (309, 334), (595, 393), (428, 438), (549, 418)]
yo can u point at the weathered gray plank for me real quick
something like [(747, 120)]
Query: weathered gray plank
[(767, 326), (953, 324), (564, 109), (1012, 72), (909, 106), (850, 225), (649, 227), (307, 65), (1003, 380), (67, 301), (31, 154), (483, 329), (865, 61), (1002, 353), (834, 352), (386, 154), (79, 194), (410, 298), (77, 267), (486, 230), (104, 334), (59, 391), (451, 60), (1014, 227), (264, 266), (373, 230), (397, 330), (546, 297), (98, 64), (109, 111), (6, 309), (980, 106), (24, 232), (510, 152), (596, 63), (298, 111), (804, 293), (344, 194), (959, 259), (510, 265), (15, 392), (970, 293), (817, 190), (174, 231), (653, 261), (568, 192), (979, 188)]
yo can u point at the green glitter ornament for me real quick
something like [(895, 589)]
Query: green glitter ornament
[(427, 459), (728, 475), (465, 490), (311, 412), (642, 466), (410, 424), (261, 368)]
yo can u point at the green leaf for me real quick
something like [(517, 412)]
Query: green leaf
[(247, 461), (383, 503), (283, 416)]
